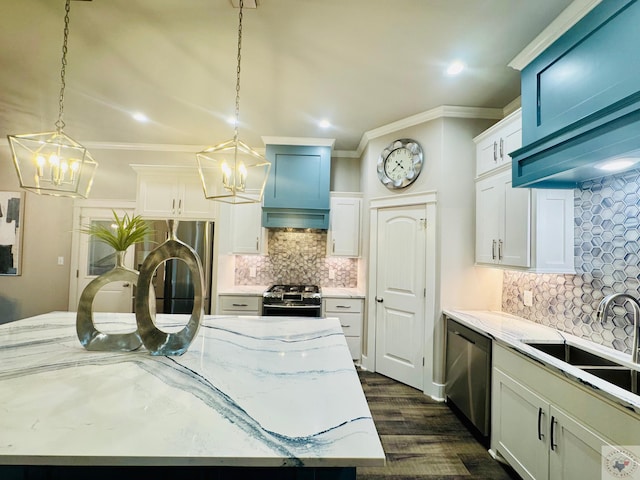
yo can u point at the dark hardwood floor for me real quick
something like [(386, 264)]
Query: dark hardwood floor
[(422, 438)]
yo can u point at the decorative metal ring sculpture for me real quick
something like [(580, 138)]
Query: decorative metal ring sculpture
[(90, 337), (154, 339)]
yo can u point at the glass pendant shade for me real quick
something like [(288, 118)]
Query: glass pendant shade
[(52, 163), (232, 172)]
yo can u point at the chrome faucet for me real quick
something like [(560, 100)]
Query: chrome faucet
[(603, 308)]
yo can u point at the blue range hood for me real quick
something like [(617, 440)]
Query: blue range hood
[(297, 191), (581, 101)]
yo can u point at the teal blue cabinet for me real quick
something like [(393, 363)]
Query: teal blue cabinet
[(297, 190), (581, 100)]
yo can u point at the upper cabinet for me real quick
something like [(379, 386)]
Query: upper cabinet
[(171, 192), (581, 100), (519, 228), (297, 190), (247, 235), (344, 231), (494, 145)]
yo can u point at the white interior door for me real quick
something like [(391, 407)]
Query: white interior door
[(400, 293), (96, 258)]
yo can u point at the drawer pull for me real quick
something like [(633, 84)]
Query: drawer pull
[(345, 325), (343, 306), (240, 305), (540, 414)]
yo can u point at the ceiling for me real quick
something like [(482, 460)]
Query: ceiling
[(360, 64)]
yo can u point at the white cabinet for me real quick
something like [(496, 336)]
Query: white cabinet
[(171, 192), (533, 431), (494, 144), (521, 228), (344, 230), (239, 304), (247, 235), (350, 313)]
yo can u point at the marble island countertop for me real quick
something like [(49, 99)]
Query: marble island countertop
[(516, 332), (260, 391)]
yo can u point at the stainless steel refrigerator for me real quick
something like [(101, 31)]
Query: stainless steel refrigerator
[(172, 281)]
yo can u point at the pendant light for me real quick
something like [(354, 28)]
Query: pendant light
[(231, 171), (52, 163)]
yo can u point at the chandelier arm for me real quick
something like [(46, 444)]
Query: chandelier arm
[(60, 123), (235, 131)]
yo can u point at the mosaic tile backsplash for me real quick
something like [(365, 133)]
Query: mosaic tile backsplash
[(297, 256), (607, 259)]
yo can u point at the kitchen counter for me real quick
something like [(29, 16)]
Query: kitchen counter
[(250, 391), (259, 289), (513, 331)]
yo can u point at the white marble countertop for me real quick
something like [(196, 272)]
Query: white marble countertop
[(261, 391), (514, 331)]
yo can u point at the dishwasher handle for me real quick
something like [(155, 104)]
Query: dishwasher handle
[(455, 332)]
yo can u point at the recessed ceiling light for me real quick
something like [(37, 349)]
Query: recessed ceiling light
[(140, 117), (455, 68), (324, 123), (617, 164)]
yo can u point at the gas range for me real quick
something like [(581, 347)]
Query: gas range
[(292, 300)]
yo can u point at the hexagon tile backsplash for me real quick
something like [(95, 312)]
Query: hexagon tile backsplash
[(607, 258), (297, 256)]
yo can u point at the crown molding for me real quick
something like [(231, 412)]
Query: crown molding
[(563, 22), (429, 115), (301, 141)]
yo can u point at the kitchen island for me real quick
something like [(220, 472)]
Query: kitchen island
[(274, 395)]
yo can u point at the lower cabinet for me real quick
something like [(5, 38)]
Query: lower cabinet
[(350, 312), (533, 430), (239, 304)]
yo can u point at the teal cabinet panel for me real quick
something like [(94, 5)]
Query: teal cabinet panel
[(297, 191), (581, 100)]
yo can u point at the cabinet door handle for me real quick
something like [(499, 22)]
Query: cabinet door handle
[(334, 247), (553, 443), (540, 415), (173, 206), (493, 249), (499, 249), (495, 152), (240, 305), (257, 243), (179, 206), (502, 149)]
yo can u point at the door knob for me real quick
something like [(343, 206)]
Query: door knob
[(379, 300), (126, 285)]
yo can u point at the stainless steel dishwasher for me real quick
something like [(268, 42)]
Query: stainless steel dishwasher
[(468, 375)]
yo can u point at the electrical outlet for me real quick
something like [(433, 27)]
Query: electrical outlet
[(252, 272), (332, 274), (528, 298), (60, 260)]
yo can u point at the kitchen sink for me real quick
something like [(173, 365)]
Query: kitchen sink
[(619, 376), (603, 368), (573, 355)]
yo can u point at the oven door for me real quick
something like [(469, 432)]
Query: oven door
[(291, 310)]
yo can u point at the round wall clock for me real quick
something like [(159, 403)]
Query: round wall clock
[(400, 163)]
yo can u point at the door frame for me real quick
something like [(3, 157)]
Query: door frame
[(429, 200), (78, 206)]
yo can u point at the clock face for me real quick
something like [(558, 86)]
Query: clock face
[(400, 163)]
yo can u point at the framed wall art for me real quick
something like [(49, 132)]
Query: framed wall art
[(11, 220)]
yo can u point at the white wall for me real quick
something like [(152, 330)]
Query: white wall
[(449, 169)]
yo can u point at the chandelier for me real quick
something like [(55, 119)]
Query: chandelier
[(52, 163), (231, 171)]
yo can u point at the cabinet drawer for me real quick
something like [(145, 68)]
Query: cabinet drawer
[(240, 303), (343, 305), (351, 323)]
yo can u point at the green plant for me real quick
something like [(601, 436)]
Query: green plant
[(125, 232)]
